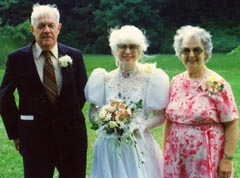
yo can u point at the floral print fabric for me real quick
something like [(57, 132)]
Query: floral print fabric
[(195, 139)]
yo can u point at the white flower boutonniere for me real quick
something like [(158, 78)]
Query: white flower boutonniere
[(65, 61)]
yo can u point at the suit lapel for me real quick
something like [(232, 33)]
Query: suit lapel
[(66, 72), (30, 65)]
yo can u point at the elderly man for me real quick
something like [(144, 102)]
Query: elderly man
[(47, 125)]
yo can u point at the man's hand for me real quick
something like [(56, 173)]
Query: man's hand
[(17, 143)]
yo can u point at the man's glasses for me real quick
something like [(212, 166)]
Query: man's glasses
[(131, 47), (196, 51)]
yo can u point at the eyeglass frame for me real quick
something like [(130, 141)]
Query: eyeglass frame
[(131, 47), (196, 51)]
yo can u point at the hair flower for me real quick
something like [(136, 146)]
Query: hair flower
[(65, 61), (212, 86), (147, 68)]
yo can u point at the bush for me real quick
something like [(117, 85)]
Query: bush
[(235, 51), (13, 37), (20, 33), (6, 45), (225, 39)]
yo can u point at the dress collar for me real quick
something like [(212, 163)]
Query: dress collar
[(128, 74)]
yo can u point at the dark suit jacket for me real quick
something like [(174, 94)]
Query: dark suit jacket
[(63, 122)]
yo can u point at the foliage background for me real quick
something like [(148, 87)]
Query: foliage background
[(86, 24)]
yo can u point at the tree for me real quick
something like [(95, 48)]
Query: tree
[(86, 24), (141, 13), (4, 4), (78, 24)]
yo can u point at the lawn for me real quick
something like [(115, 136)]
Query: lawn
[(227, 66)]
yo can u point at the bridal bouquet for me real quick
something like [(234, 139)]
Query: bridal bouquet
[(116, 116), (117, 119)]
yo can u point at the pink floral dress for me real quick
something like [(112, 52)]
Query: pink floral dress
[(195, 140)]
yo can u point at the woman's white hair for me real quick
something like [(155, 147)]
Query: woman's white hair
[(42, 10), (187, 32), (127, 34)]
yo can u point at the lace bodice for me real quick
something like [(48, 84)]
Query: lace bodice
[(152, 86), (131, 88)]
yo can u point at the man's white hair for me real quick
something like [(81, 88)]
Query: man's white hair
[(43, 10)]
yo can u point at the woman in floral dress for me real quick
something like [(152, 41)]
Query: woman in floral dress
[(137, 155), (201, 129)]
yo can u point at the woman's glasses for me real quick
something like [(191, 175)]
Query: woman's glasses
[(196, 51), (131, 47)]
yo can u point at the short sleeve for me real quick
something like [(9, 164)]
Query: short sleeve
[(226, 104), (94, 89), (157, 94)]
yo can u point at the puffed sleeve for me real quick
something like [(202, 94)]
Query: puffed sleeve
[(157, 93), (226, 104), (94, 89)]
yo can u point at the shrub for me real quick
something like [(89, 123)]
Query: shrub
[(225, 39), (20, 33)]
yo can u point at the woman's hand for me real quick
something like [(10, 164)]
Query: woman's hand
[(165, 133), (231, 130), (92, 113), (225, 168), (157, 119)]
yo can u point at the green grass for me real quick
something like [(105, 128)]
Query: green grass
[(227, 66)]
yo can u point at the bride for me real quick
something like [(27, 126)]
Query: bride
[(133, 152)]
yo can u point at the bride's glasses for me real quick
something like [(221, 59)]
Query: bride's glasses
[(131, 47), (196, 51)]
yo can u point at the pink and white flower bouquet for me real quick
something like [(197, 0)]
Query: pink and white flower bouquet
[(117, 120), (116, 116)]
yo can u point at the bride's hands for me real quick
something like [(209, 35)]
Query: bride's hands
[(92, 113)]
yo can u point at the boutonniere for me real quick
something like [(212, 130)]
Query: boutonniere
[(212, 86), (65, 61)]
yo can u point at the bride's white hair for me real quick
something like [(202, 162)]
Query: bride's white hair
[(127, 34)]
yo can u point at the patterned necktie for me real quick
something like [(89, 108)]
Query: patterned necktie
[(49, 79)]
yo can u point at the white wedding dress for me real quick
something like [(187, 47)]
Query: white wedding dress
[(122, 161)]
